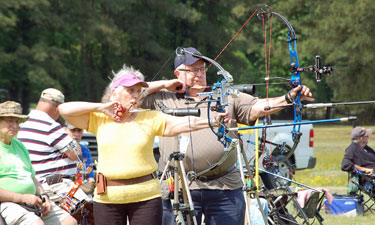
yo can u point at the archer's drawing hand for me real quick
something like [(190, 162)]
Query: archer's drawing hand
[(174, 85), (113, 109)]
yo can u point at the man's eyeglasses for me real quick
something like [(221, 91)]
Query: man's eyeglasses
[(196, 70)]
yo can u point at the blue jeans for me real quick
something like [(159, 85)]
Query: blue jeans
[(219, 207), (168, 216), (256, 217)]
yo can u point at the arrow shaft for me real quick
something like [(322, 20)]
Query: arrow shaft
[(321, 105), (345, 119), (300, 184)]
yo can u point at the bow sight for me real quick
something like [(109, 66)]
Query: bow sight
[(317, 68)]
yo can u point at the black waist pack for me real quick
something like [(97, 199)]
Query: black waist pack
[(31, 208)]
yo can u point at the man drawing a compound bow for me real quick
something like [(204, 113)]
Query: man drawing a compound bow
[(216, 193)]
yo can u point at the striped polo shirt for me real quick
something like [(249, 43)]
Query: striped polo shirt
[(46, 140)]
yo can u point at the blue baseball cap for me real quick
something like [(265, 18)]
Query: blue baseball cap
[(186, 59)]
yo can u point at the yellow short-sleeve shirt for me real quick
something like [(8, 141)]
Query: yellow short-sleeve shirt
[(126, 151)]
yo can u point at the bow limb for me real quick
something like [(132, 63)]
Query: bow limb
[(295, 79), (81, 178), (66, 203)]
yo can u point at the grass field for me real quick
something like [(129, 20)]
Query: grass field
[(330, 143)]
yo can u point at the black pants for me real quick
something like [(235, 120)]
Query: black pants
[(139, 213)]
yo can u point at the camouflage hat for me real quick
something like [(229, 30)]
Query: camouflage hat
[(12, 109), (52, 94)]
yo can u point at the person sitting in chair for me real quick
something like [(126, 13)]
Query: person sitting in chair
[(359, 157), (22, 198), (53, 153)]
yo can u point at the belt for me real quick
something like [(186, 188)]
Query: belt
[(136, 180), (214, 177)]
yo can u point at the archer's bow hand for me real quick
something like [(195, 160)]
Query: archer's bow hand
[(305, 93), (223, 118)]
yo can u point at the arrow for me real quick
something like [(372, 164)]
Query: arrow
[(320, 105), (345, 119), (300, 184)]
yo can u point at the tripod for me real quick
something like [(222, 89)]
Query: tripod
[(179, 172), (252, 189)]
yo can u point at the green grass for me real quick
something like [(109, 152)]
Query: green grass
[(330, 143)]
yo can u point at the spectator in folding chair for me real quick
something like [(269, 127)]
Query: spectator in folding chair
[(278, 212), (22, 198), (359, 158), (311, 201), (53, 152)]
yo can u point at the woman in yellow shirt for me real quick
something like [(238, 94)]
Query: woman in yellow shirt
[(125, 139)]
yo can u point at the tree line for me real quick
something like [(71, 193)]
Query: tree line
[(74, 45)]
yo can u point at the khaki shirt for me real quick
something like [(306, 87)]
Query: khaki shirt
[(205, 149)]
